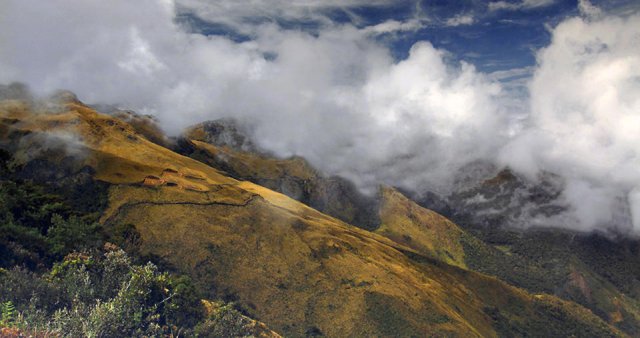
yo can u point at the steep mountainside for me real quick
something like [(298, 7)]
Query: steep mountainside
[(298, 270), (597, 272), (222, 145)]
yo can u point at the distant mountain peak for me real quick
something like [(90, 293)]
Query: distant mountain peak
[(227, 132)]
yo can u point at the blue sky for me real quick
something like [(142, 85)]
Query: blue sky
[(493, 38), (503, 40)]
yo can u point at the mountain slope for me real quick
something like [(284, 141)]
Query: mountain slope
[(574, 266), (598, 271), (421, 229), (298, 270), (222, 145)]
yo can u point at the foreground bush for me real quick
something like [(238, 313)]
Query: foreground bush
[(104, 296)]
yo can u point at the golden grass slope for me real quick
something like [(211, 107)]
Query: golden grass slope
[(294, 177), (259, 166), (401, 219), (421, 229), (292, 267)]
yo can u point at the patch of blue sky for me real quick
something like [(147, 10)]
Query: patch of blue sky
[(491, 40)]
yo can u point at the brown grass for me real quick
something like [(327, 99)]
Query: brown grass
[(288, 265)]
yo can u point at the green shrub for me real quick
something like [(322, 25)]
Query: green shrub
[(107, 296), (29, 205), (58, 281), (72, 234)]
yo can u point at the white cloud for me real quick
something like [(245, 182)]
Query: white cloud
[(140, 59), (337, 97), (460, 20), (587, 9), (242, 15), (522, 5), (392, 26), (585, 116)]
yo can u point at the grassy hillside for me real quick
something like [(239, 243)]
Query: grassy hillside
[(597, 272), (293, 177), (61, 273), (300, 271), (421, 229)]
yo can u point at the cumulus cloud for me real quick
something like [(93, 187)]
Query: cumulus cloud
[(336, 96), (585, 117)]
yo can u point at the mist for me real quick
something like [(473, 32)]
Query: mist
[(584, 121), (335, 95)]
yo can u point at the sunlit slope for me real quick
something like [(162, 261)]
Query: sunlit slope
[(298, 270), (220, 143), (399, 218), (294, 176), (537, 261), (424, 230)]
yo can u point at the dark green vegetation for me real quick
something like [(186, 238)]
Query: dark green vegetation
[(100, 295), (38, 226), (60, 274), (589, 269)]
